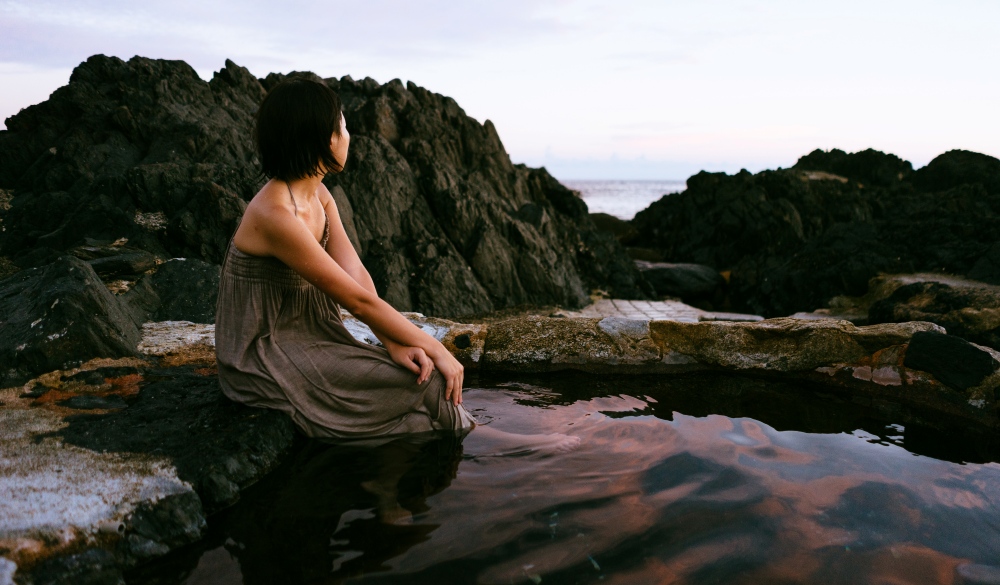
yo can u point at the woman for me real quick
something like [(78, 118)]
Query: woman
[(280, 341), (290, 266)]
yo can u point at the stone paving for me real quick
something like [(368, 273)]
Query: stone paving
[(654, 311)]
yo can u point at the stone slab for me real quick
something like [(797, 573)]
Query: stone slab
[(653, 311)]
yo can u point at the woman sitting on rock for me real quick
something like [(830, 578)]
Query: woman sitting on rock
[(290, 267)]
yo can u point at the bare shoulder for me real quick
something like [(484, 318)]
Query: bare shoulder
[(266, 213), (326, 198)]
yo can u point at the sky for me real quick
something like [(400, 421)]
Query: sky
[(627, 89)]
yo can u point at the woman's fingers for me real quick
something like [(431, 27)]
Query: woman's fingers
[(426, 367), (409, 364)]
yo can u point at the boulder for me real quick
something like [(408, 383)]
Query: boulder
[(952, 360), (147, 152), (967, 309), (689, 282), (59, 314)]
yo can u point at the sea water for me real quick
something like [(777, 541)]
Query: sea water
[(701, 479), (622, 199)]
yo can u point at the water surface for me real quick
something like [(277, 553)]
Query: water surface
[(623, 199), (677, 481)]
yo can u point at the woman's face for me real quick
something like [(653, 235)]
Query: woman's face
[(340, 144)]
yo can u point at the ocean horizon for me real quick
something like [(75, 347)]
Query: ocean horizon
[(622, 198)]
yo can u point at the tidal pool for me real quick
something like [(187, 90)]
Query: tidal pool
[(702, 479)]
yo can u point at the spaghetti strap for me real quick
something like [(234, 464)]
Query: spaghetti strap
[(289, 185)]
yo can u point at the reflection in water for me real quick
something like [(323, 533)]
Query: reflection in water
[(650, 496)]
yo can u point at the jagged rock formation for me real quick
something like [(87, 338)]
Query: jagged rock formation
[(57, 314), (147, 151), (795, 238)]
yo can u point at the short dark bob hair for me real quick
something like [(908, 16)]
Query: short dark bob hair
[(294, 125)]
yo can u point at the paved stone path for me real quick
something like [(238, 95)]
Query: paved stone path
[(655, 311)]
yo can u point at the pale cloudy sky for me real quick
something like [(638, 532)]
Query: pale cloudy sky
[(590, 89)]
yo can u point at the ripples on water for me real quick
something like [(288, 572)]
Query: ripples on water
[(623, 199), (675, 481)]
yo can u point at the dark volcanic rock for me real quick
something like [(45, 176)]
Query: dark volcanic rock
[(217, 445), (58, 314), (448, 226), (869, 167), (953, 360), (793, 239), (689, 282), (93, 567), (145, 150), (125, 142), (113, 262), (959, 167), (969, 311), (187, 289)]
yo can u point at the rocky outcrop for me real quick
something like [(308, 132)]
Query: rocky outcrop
[(795, 238), (147, 153)]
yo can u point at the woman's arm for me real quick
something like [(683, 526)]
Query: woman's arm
[(290, 241), (340, 248)]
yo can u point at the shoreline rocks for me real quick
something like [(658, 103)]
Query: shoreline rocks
[(795, 238), (162, 420)]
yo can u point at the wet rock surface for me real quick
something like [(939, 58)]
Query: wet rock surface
[(795, 238), (147, 153), (164, 428)]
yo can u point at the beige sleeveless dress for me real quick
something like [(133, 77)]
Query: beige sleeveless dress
[(281, 344)]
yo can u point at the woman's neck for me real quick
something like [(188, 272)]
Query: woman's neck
[(305, 190)]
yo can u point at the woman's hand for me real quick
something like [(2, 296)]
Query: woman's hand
[(413, 359), (453, 372)]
